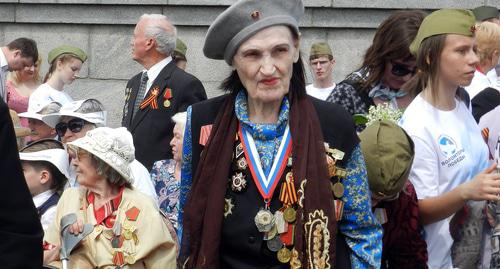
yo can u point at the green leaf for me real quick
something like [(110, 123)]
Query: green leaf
[(360, 119)]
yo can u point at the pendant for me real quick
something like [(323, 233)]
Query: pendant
[(238, 182), (338, 190), (264, 220), (284, 255), (274, 244), (290, 214)]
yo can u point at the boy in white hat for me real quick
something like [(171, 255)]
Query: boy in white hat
[(45, 168), (75, 119), (36, 112)]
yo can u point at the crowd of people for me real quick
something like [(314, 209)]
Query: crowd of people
[(395, 166)]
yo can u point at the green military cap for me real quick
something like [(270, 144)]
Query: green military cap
[(483, 13), (444, 21), (66, 49), (388, 153), (320, 48), (180, 50), (245, 18)]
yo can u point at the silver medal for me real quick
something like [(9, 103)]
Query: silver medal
[(238, 182), (274, 244), (264, 220)]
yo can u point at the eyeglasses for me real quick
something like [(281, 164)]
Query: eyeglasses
[(74, 125), (401, 70)]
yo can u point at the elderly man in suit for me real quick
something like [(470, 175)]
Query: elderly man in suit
[(158, 92)]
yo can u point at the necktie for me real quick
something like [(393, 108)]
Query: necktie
[(141, 92)]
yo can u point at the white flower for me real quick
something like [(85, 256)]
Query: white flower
[(383, 112)]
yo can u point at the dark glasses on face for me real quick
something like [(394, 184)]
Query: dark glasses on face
[(74, 125), (401, 70)]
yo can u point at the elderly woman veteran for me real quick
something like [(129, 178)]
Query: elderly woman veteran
[(261, 191), (129, 231)]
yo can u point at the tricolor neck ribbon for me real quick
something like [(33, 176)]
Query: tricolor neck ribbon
[(266, 184), (151, 99)]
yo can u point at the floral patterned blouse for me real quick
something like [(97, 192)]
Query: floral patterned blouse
[(167, 189), (362, 232)]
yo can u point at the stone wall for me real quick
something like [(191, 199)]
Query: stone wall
[(103, 28)]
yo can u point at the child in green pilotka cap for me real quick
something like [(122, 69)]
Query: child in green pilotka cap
[(451, 165), (394, 201), (65, 64)]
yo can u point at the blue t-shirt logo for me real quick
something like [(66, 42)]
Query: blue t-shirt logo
[(447, 145)]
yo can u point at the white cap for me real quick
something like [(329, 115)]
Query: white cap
[(34, 109), (68, 109), (58, 157)]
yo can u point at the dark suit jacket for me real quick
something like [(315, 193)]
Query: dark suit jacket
[(20, 229), (152, 128)]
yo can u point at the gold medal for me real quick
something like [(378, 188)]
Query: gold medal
[(264, 220), (166, 103), (284, 255), (338, 190), (127, 234), (130, 259), (289, 214)]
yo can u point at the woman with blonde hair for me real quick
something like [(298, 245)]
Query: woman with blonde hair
[(488, 50), (65, 64), (20, 85)]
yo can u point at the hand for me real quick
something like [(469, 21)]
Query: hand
[(51, 254), (484, 186), (76, 228)]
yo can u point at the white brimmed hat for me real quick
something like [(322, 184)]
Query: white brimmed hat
[(112, 146), (68, 109), (35, 110), (58, 157)]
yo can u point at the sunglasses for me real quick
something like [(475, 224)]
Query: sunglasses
[(77, 153), (74, 125), (401, 70)]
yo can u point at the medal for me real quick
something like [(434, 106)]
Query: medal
[(287, 237), (239, 150), (271, 234), (284, 255), (228, 207), (166, 103), (340, 172), (289, 162), (117, 242), (339, 209), (274, 244), (331, 165), (281, 225), (264, 220), (289, 214), (336, 154), (238, 182), (242, 163), (338, 190)]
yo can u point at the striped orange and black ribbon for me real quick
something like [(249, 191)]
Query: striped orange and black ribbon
[(288, 195), (151, 100)]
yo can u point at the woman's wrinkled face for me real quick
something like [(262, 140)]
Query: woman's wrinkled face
[(86, 173), (265, 63), (458, 61), (68, 71), (176, 142)]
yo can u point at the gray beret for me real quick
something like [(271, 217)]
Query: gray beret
[(244, 19)]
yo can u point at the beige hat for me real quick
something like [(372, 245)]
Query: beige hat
[(112, 146), (320, 48)]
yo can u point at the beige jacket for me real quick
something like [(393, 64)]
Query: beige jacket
[(151, 245)]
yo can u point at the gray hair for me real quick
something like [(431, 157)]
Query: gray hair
[(158, 28), (50, 108), (180, 118), (90, 106), (109, 173)]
